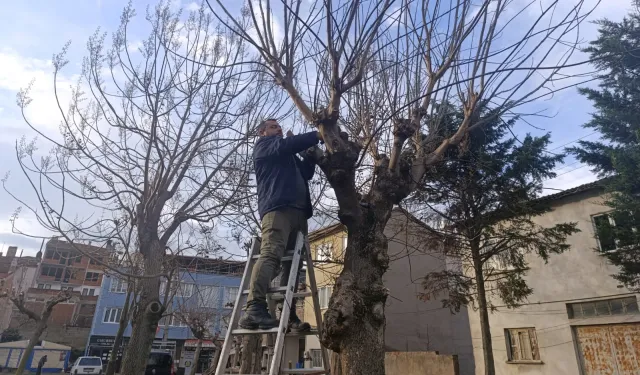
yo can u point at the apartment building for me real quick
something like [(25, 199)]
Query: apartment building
[(579, 319)]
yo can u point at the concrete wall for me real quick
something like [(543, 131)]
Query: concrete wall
[(579, 273), (411, 324), (420, 363)]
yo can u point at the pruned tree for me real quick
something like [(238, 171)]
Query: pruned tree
[(365, 75), (616, 155), (40, 319), (150, 148), (484, 200)]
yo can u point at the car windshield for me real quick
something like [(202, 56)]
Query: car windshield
[(90, 362)]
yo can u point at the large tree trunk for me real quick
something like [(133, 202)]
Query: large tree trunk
[(35, 337), (117, 341), (354, 323), (485, 329), (147, 312), (251, 362), (196, 358)]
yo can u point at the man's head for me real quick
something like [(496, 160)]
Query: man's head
[(269, 127)]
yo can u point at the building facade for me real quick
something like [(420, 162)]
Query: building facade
[(17, 275), (578, 320), (78, 268), (411, 324), (204, 286)]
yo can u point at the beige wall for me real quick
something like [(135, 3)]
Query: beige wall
[(411, 324), (579, 273), (420, 363)]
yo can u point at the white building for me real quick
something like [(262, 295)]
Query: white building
[(578, 320)]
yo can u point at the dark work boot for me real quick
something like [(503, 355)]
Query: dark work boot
[(296, 325), (257, 316)]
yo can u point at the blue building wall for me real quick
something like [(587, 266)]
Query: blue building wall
[(110, 299)]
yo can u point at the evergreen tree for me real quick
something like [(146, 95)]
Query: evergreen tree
[(616, 54), (485, 191)]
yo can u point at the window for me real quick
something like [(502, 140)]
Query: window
[(608, 238), (324, 251), (316, 357), (88, 291), (230, 295), (522, 344), (44, 286), (69, 288), (48, 254), (618, 306), (112, 315), (118, 285), (324, 293), (95, 261), (92, 276), (208, 296), (177, 322), (78, 258), (186, 290)]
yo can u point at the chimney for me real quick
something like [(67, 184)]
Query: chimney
[(11, 251)]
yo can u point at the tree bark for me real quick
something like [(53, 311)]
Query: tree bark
[(35, 337), (147, 312), (251, 362), (354, 323), (117, 341), (196, 358), (336, 364), (485, 329)]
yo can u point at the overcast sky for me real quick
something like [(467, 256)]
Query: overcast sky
[(32, 30)]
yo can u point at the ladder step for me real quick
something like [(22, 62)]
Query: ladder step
[(306, 371), (280, 297), (288, 256), (281, 290), (242, 331)]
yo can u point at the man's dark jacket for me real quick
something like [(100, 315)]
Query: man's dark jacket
[(276, 164)]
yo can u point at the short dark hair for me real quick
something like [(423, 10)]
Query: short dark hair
[(263, 124)]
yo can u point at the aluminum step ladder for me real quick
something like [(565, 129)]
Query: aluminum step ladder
[(276, 365)]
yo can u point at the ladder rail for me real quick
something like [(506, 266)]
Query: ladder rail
[(235, 315), (316, 306), (286, 307), (275, 366)]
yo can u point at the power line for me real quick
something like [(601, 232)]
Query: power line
[(575, 140), (569, 171)]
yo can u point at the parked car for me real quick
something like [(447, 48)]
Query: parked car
[(160, 363), (87, 365)]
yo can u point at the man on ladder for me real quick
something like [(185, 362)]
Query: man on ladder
[(284, 205)]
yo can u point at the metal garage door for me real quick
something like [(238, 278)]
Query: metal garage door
[(610, 349)]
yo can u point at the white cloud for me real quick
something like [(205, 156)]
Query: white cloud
[(193, 6), (134, 46), (16, 73)]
